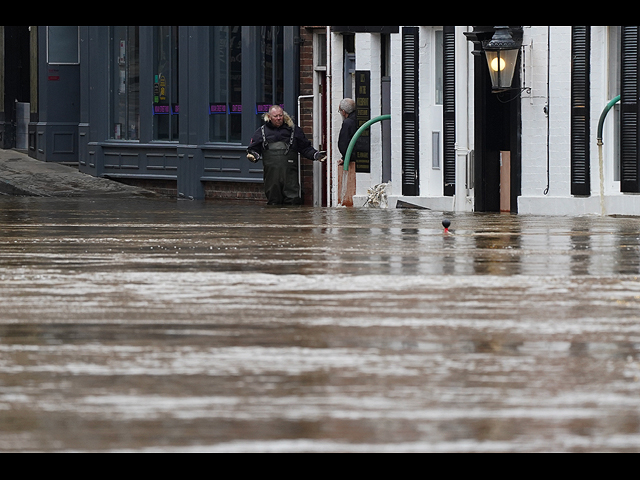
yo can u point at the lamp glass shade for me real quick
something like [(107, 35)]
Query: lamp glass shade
[(502, 66)]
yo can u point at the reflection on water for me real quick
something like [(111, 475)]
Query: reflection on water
[(184, 235), (155, 325)]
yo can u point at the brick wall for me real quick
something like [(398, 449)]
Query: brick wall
[(235, 191), (306, 111), (306, 120), (253, 192)]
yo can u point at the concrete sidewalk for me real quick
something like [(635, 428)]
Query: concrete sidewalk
[(25, 176)]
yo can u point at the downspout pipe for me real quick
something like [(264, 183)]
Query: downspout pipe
[(299, 119), (355, 138), (604, 116)]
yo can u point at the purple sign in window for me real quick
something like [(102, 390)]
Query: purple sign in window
[(224, 109), (161, 110), (166, 109), (264, 107), (217, 109)]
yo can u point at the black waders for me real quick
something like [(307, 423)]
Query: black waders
[(281, 184)]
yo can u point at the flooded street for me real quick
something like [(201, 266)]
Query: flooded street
[(156, 325)]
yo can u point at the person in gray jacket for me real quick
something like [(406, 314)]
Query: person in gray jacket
[(349, 128), (277, 143)]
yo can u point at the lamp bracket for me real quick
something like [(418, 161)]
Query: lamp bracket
[(505, 90)]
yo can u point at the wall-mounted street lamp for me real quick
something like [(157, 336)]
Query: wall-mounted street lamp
[(502, 56)]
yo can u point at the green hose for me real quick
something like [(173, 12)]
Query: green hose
[(360, 131), (604, 116)]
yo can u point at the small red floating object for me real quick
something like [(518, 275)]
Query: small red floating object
[(446, 223)]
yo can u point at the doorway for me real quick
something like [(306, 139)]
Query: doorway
[(498, 134), (499, 164), (15, 88)]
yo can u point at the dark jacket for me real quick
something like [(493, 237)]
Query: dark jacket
[(283, 134), (349, 129)]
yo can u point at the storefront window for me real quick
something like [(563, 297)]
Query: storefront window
[(225, 90), (270, 88), (226, 106), (166, 106), (125, 83)]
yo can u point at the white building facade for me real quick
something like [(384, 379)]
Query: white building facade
[(455, 145)]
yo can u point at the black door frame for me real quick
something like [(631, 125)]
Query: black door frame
[(498, 126)]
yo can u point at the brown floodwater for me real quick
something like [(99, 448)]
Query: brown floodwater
[(156, 325)]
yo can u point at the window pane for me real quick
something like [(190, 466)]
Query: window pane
[(278, 67), (321, 49), (225, 90), (62, 45), (265, 84), (235, 78), (125, 83), (166, 107), (219, 82), (270, 88)]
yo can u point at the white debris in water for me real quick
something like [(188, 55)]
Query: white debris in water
[(377, 196)]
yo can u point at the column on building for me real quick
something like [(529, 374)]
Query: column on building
[(430, 73)]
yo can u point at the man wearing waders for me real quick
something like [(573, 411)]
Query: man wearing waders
[(277, 143)]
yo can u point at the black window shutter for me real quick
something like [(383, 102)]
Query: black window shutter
[(630, 91), (449, 109), (410, 118), (580, 108)]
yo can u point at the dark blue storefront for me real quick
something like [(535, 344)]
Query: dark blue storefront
[(160, 103)]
